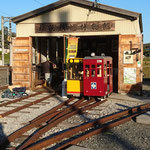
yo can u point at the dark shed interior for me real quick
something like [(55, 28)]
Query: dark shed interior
[(53, 48)]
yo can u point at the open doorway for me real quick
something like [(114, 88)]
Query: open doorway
[(43, 49), (106, 45), (53, 47)]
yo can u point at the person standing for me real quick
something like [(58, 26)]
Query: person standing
[(47, 68)]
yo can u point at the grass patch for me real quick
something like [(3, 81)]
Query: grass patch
[(146, 67), (146, 59), (6, 57)]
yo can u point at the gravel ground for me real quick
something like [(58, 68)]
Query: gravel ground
[(129, 136)]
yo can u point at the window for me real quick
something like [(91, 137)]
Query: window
[(99, 70), (93, 73), (87, 73), (105, 73), (75, 71), (93, 66)]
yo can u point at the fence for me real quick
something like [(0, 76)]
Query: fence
[(4, 75)]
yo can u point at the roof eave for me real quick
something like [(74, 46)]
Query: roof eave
[(128, 14)]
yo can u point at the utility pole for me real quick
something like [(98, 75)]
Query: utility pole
[(10, 40), (3, 20), (2, 29), (96, 1)]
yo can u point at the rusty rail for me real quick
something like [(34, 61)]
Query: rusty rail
[(56, 108), (24, 106), (3, 87), (91, 128), (52, 118), (37, 121), (20, 99), (53, 123)]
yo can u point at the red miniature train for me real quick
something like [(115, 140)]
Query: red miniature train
[(96, 78)]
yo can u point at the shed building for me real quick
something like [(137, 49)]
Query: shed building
[(101, 29)]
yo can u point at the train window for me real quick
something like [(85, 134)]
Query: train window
[(93, 66), (87, 66), (110, 69), (107, 63), (75, 71), (107, 71), (99, 70), (87, 73), (93, 73)]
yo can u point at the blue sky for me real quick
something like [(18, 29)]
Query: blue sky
[(17, 7)]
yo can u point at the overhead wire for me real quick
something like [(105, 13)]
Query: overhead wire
[(5, 13), (38, 2)]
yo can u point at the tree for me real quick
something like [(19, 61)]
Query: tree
[(6, 42)]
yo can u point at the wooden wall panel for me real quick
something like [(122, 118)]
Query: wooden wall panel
[(21, 65), (23, 57), (21, 77), (21, 70), (22, 83), (24, 41), (124, 45)]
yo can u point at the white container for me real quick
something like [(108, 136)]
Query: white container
[(64, 88)]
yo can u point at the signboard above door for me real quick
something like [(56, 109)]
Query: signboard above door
[(92, 26)]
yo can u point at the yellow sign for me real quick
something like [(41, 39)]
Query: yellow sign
[(72, 47)]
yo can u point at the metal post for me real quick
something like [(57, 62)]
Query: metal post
[(10, 36), (2, 29)]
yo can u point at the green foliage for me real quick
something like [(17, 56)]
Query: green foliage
[(6, 42), (6, 57), (146, 67)]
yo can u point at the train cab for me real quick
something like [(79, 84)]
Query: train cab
[(98, 76), (75, 76)]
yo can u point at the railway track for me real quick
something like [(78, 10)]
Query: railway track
[(51, 118), (3, 87), (73, 135), (28, 103)]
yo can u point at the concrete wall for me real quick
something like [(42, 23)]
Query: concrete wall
[(71, 13)]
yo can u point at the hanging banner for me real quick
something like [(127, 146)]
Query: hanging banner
[(72, 47)]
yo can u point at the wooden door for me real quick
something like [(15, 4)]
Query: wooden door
[(21, 61)]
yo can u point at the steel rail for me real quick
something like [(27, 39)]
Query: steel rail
[(41, 131), (65, 103), (71, 108), (85, 126), (20, 99), (39, 120), (24, 106), (47, 116), (99, 130), (3, 87)]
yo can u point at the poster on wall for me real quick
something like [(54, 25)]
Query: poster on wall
[(129, 75), (127, 58), (72, 47)]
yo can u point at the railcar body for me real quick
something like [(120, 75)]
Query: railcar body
[(90, 76), (97, 77), (75, 76)]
